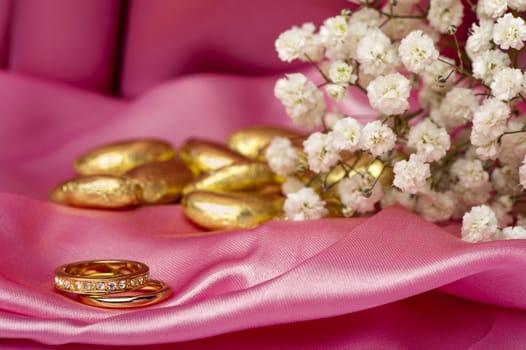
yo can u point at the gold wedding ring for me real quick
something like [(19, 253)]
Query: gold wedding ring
[(151, 293), (96, 277)]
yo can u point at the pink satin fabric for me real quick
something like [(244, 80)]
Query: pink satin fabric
[(391, 281)]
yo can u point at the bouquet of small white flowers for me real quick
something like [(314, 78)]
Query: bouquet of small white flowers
[(455, 149)]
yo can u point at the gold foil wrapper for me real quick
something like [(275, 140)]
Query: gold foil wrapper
[(245, 176), (202, 156), (97, 191), (161, 182), (119, 157), (222, 211), (251, 141)]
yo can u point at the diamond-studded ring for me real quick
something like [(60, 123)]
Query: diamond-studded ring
[(95, 277)]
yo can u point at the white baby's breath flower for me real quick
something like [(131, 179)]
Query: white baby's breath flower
[(522, 173), (469, 172), (514, 232), (376, 54), (507, 83), (479, 225), (444, 14), (509, 31), (489, 121), (487, 151), (473, 195), (439, 76), (377, 138), (341, 73), (346, 133), (411, 175), (456, 108), (430, 141), (479, 39), (513, 147), (389, 94), (304, 204), (435, 206), (303, 101), (417, 51), (299, 43), (334, 34), (358, 194), (394, 196), (505, 179), (336, 91), (486, 64), (321, 151), (281, 156), (519, 5), (491, 8)]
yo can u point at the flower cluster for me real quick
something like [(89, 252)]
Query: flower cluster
[(447, 138)]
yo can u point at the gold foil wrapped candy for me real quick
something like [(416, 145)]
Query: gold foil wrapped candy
[(98, 191), (218, 211), (202, 156), (119, 157), (251, 141), (161, 182), (245, 176)]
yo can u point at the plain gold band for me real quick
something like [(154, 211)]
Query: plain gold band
[(97, 277), (151, 293)]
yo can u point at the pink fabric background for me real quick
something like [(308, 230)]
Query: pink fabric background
[(205, 68)]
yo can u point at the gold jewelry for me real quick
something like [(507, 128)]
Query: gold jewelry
[(101, 276), (152, 292)]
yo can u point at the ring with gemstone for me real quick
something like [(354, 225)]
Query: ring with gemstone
[(101, 276), (151, 293)]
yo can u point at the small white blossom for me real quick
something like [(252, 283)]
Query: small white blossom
[(491, 8), (479, 225), (411, 175), (486, 64), (377, 138), (509, 32), (281, 156), (303, 101), (489, 121), (513, 147), (487, 151), (479, 39), (299, 43), (444, 14), (507, 83), (417, 51), (305, 204), (519, 5), (430, 141), (321, 152), (389, 94), (332, 117), (358, 194), (346, 133), (516, 232), (435, 206), (334, 34), (341, 73), (502, 206), (394, 196), (505, 179), (522, 173), (360, 24), (336, 91), (376, 54), (456, 108), (473, 195), (469, 172)]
